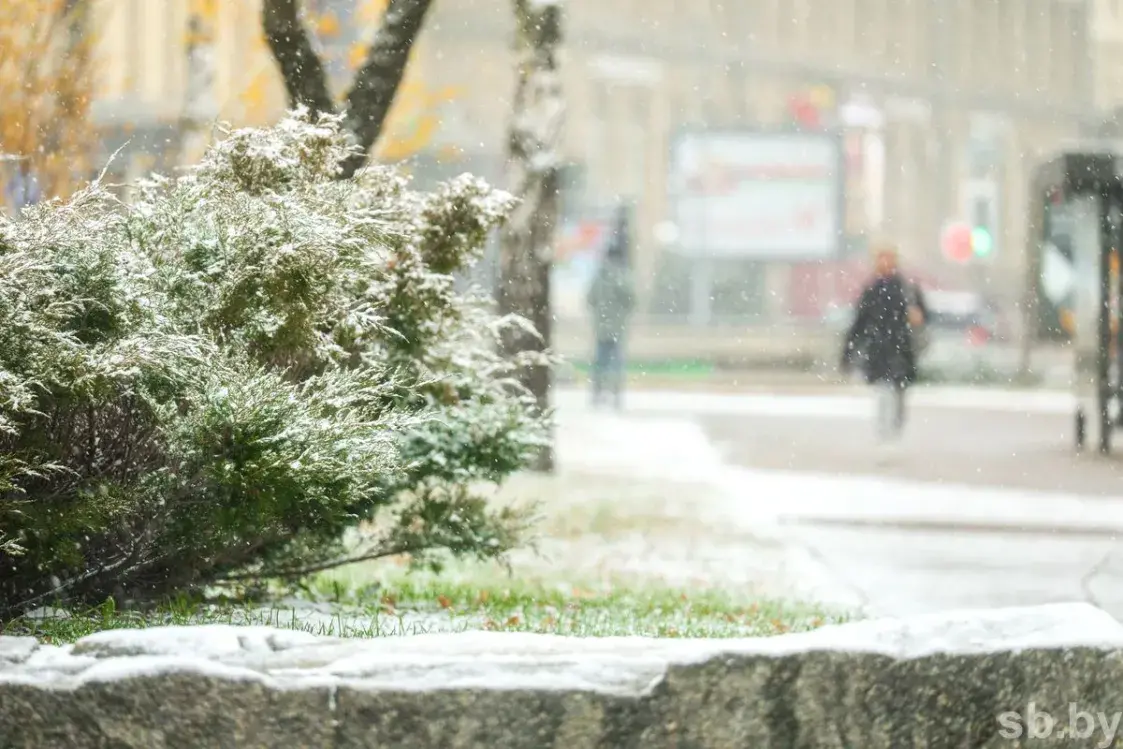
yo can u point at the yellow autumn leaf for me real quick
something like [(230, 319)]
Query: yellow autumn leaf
[(327, 25), (46, 76), (356, 53), (370, 11)]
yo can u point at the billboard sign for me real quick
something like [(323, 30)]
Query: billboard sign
[(774, 196)]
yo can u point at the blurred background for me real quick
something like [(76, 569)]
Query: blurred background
[(759, 148), (930, 115)]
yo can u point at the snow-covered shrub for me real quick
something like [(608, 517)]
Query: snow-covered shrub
[(224, 378)]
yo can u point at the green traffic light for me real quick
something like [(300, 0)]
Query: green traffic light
[(981, 243)]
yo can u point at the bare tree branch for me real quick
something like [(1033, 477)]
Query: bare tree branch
[(310, 569), (377, 81), (301, 68)]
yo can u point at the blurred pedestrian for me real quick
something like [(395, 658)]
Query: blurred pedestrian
[(882, 340), (611, 300)]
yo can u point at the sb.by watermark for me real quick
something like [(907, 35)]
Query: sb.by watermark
[(1100, 726)]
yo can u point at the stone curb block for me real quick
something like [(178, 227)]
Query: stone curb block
[(934, 681)]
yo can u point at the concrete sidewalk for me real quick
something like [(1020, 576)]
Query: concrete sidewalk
[(880, 544), (826, 400)]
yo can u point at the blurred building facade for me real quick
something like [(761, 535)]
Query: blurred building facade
[(940, 101), (152, 93), (1106, 40)]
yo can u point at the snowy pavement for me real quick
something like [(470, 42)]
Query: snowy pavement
[(889, 545), (851, 405)]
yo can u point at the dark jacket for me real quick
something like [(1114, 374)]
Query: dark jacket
[(881, 335), (611, 299)]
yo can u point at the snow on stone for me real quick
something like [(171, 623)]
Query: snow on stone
[(211, 641), (969, 631), (16, 649), (618, 665), (120, 668)]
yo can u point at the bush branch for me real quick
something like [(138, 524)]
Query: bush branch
[(311, 569)]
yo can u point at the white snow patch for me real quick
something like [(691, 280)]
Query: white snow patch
[(46, 612), (211, 641), (621, 665), (659, 449), (766, 497), (323, 618), (134, 667), (969, 631)]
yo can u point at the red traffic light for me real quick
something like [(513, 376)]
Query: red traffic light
[(956, 242), (804, 112)]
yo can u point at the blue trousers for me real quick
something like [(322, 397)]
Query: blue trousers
[(608, 369)]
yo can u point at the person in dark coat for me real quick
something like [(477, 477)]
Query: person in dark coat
[(611, 300), (882, 339)]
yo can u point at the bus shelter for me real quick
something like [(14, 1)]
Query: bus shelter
[(1076, 205)]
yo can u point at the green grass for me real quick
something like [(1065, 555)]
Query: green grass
[(600, 611), (686, 368), (418, 604), (576, 588)]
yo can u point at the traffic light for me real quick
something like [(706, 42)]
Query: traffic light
[(982, 227), (981, 242)]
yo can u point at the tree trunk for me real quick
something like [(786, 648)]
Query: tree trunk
[(373, 89), (376, 83), (301, 68), (199, 107), (527, 239)]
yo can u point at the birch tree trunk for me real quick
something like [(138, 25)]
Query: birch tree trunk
[(533, 158), (376, 82)]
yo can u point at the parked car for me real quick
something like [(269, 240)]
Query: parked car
[(964, 333)]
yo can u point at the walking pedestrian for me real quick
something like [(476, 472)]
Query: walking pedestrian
[(611, 299), (883, 338)]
